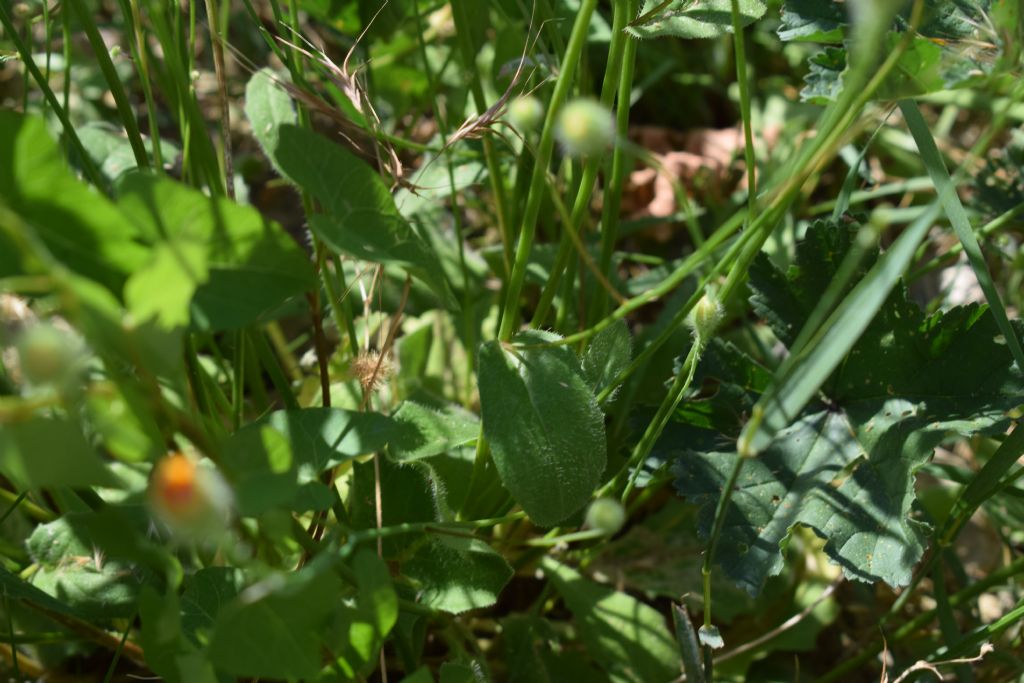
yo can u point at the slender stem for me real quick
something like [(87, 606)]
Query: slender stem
[(217, 39), (538, 180), (124, 107), (468, 55), (748, 135), (616, 51), (25, 53), (619, 170)]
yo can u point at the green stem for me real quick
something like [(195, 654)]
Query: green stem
[(88, 167), (124, 107), (616, 52), (619, 170), (748, 135), (538, 180), (495, 175), (217, 40)]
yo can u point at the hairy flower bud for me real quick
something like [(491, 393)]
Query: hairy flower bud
[(585, 128), (193, 501), (525, 113), (48, 355), (607, 515), (706, 316)]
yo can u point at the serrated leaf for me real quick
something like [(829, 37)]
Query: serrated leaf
[(820, 21), (272, 458), (694, 18), (824, 78), (360, 217), (608, 354), (456, 574), (846, 466), (543, 424), (626, 637), (239, 265)]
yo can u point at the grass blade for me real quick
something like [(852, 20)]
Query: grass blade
[(958, 218)]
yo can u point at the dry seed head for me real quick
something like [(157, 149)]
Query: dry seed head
[(372, 369)]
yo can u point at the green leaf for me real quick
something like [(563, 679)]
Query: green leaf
[(78, 225), (112, 152), (457, 574), (206, 593), (406, 497), (423, 432), (454, 672), (274, 629), (74, 568), (44, 452), (239, 265), (543, 424), (272, 459), (845, 466), (608, 354), (360, 217), (694, 18), (824, 78), (168, 653), (364, 628), (536, 652), (628, 638), (820, 21), (164, 288)]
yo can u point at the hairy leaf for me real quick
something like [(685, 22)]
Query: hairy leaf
[(608, 354), (544, 426), (360, 217), (457, 574), (694, 18)]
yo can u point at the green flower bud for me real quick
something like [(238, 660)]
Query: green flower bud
[(706, 316), (525, 113), (585, 128), (48, 355), (607, 515)]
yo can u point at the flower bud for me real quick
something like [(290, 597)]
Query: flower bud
[(525, 113), (48, 355), (607, 515), (193, 501), (706, 316), (585, 128)]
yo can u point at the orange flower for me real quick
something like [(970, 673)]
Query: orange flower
[(192, 500)]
